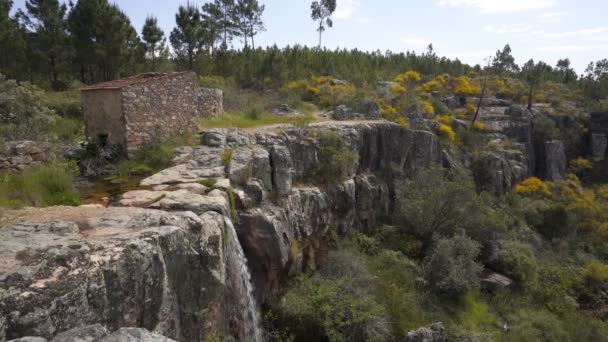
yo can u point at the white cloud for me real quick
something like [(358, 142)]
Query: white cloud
[(418, 41), (346, 8), (588, 33), (364, 20), (508, 29), (500, 6), (553, 14), (573, 48)]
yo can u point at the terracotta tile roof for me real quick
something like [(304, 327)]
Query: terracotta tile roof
[(128, 81)]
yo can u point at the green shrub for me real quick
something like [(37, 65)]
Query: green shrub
[(553, 290), (156, 156), (335, 304), (336, 161), (366, 244), (532, 325), (556, 223), (209, 182), (254, 113), (227, 156), (68, 129), (518, 261), (451, 268), (41, 186), (23, 112), (431, 204), (67, 104), (147, 161), (232, 202)]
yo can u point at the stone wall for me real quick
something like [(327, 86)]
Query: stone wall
[(211, 103), (104, 122), (160, 107), (16, 156)]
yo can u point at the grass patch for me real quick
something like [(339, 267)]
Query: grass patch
[(42, 186), (247, 120), (67, 104), (209, 182), (147, 161), (232, 201)]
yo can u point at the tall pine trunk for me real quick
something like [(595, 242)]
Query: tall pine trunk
[(153, 61)]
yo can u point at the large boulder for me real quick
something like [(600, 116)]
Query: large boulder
[(555, 160), (433, 333), (89, 333), (342, 112), (370, 110), (135, 335)]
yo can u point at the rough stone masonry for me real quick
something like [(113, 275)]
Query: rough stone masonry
[(132, 112)]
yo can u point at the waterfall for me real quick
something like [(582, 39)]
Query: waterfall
[(241, 307)]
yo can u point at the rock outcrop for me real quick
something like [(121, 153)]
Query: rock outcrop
[(16, 156), (433, 333), (555, 160), (63, 268), (599, 144), (167, 261)]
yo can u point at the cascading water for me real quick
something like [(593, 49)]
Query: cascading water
[(241, 307)]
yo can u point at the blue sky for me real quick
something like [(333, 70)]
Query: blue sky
[(470, 30)]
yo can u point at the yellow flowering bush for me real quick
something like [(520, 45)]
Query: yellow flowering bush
[(446, 120), (533, 187), (427, 107), (447, 132), (313, 90), (470, 108), (334, 95), (322, 79), (460, 113), (539, 96), (401, 121), (409, 76), (398, 89), (386, 109), (590, 209), (297, 85), (580, 165), (463, 86), (437, 84), (479, 127)]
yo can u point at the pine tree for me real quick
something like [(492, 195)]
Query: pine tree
[(105, 43), (249, 19), (49, 40), (321, 12), (152, 35), (188, 36), (534, 74), (220, 18), (504, 61), (12, 43)]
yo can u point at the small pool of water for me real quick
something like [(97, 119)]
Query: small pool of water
[(107, 191)]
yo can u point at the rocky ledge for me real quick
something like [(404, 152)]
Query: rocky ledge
[(168, 258), (279, 209), (64, 268)]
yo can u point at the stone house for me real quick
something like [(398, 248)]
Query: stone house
[(131, 112)]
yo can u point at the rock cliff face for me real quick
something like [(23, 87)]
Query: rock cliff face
[(168, 260), (280, 210), (62, 268), (599, 143)]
